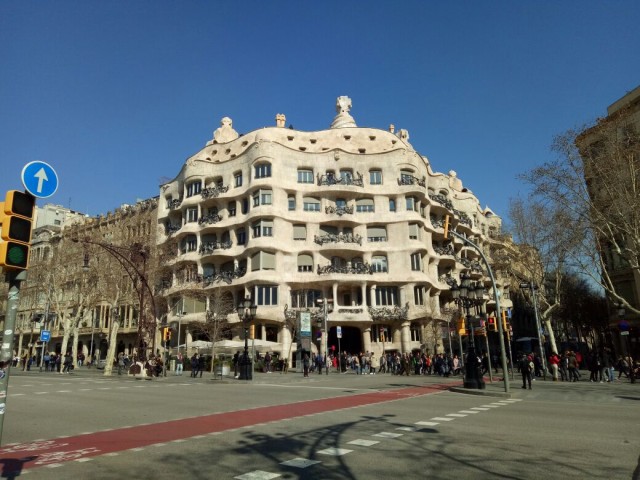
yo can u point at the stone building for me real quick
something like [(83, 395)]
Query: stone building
[(289, 218)]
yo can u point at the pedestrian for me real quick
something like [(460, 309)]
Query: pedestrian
[(68, 363), (305, 364), (526, 369), (120, 363), (375, 364), (179, 364), (267, 363), (554, 361), (236, 359), (194, 365), (201, 364), (574, 376), (607, 365)]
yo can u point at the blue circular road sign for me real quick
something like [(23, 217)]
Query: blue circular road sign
[(39, 179)]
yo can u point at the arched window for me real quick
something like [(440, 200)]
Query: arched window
[(193, 188), (379, 263), (263, 170)]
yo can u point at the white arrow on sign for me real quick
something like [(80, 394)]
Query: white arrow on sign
[(42, 177)]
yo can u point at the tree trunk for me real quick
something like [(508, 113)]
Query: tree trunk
[(74, 343), (65, 338), (552, 336), (111, 352)]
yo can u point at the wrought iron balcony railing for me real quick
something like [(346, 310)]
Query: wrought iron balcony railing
[(335, 238), (342, 210), (209, 219), (209, 247), (170, 228), (356, 269), (446, 250), (442, 200), (411, 180), (213, 192), (389, 313), (330, 179), (226, 276), (173, 204), (463, 218)]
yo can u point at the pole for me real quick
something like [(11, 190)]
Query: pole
[(496, 294), (6, 351), (486, 339), (539, 327)]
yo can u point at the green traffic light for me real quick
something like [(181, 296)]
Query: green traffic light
[(17, 255)]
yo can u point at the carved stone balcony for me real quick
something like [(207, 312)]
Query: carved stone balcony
[(344, 238), (339, 210), (355, 269), (330, 179), (213, 192), (210, 247)]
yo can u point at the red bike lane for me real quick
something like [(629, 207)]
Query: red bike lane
[(20, 457)]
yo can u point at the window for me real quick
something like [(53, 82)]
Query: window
[(262, 197), (189, 244), (263, 170), (346, 176), (341, 203), (231, 208), (376, 234), (416, 262), (418, 295), (413, 231), (245, 205), (305, 263), (241, 236), (192, 214), (311, 204), (411, 204), (266, 294), (406, 177), (328, 230), (263, 261), (386, 295), (299, 232), (305, 176), (291, 200), (379, 263), (365, 205), (392, 204), (305, 298), (237, 179), (263, 228), (375, 177), (193, 188)]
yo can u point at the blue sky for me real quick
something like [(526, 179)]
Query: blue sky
[(115, 95)]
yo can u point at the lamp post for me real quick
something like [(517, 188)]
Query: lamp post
[(623, 325), (246, 312), (466, 296), (325, 336), (130, 259), (533, 288)]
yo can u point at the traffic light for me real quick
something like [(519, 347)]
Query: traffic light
[(461, 327), (252, 332), (505, 325), (446, 226), (16, 215), (166, 334), (492, 326), (382, 332)]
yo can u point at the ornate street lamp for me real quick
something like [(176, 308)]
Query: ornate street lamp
[(466, 296), (246, 312)]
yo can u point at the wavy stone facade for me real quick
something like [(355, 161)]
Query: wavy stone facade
[(351, 214)]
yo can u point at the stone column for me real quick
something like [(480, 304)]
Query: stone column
[(366, 339), (263, 331), (406, 337), (285, 340)]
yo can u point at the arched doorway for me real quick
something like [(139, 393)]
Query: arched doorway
[(350, 342)]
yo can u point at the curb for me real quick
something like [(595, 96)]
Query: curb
[(484, 393)]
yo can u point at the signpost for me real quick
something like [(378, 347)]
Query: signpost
[(39, 179)]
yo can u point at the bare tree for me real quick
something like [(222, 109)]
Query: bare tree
[(216, 326), (595, 181)]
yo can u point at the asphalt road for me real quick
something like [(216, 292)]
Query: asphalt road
[(336, 427)]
